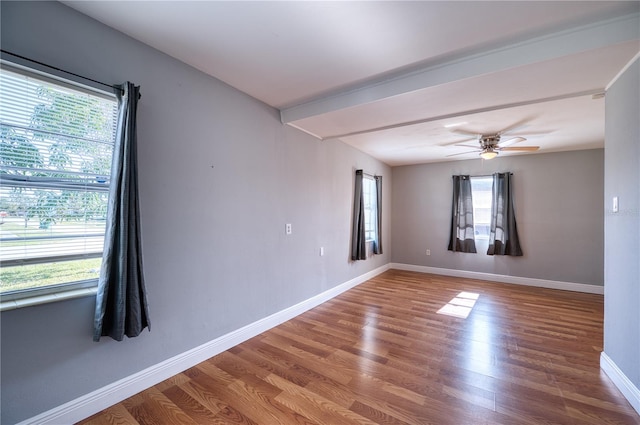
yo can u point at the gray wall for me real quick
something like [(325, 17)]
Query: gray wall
[(558, 202), (219, 178), (622, 229)]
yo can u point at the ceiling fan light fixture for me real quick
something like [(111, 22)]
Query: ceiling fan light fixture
[(488, 154)]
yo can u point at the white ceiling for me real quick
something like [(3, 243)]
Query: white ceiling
[(386, 77)]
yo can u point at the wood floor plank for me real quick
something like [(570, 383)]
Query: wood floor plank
[(114, 415), (163, 407), (318, 365), (264, 409), (314, 406), (382, 353), (196, 411), (203, 396)]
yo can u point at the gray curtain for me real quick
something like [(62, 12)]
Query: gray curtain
[(121, 302), (461, 237), (377, 244), (503, 236), (358, 246)]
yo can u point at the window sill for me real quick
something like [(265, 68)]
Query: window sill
[(48, 298)]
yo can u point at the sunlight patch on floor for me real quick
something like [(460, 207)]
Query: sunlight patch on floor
[(461, 305)]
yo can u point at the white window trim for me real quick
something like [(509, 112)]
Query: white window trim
[(49, 76), (33, 299)]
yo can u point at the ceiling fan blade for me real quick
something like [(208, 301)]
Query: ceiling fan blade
[(469, 146), (457, 141), (521, 148), (465, 132), (536, 133), (516, 125), (463, 153), (511, 141)]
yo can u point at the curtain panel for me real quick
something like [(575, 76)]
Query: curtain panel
[(377, 245), (121, 302), (461, 237), (503, 236), (358, 246)]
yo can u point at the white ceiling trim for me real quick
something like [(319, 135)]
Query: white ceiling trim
[(556, 45), (310, 133)]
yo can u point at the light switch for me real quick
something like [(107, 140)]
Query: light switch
[(615, 204)]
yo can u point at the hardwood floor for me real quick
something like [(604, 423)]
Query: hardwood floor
[(381, 354)]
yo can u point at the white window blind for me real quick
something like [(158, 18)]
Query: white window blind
[(56, 147)]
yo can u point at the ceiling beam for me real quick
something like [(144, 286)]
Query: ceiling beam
[(552, 46), (593, 92)]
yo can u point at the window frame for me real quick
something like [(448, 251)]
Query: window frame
[(478, 204), (369, 196), (63, 290)]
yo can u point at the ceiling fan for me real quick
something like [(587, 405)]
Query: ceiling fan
[(491, 144)]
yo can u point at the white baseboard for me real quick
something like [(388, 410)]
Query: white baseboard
[(528, 281), (620, 380), (89, 404)]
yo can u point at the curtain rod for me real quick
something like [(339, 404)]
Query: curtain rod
[(114, 87), (368, 174), (484, 175)]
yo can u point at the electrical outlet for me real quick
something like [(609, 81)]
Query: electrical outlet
[(428, 252), (288, 228)]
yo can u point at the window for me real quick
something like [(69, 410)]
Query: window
[(370, 208), (56, 146), (481, 188)]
